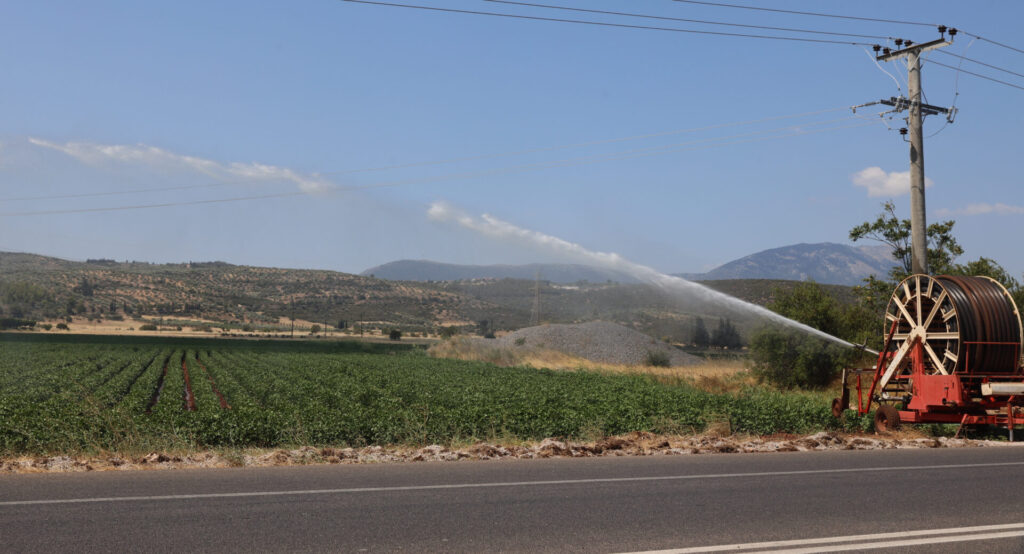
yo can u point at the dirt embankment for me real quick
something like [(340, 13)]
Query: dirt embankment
[(632, 444)]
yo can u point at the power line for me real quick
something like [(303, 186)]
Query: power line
[(1007, 46), (966, 59), (703, 21), (899, 88), (850, 17), (816, 14), (442, 161), (615, 156), (956, 86), (605, 24), (956, 89), (977, 75)]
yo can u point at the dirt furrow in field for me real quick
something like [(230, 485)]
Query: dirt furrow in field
[(190, 399), (159, 387), (213, 385)]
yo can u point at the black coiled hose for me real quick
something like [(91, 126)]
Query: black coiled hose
[(986, 315)]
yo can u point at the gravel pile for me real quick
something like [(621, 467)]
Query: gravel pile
[(598, 341)]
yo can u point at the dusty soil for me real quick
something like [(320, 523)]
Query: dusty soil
[(597, 341), (83, 326), (633, 444)]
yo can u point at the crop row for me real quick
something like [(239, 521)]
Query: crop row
[(60, 397)]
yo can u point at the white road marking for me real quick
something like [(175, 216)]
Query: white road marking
[(829, 544), (893, 544), (498, 484)]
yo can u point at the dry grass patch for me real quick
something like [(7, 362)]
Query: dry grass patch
[(712, 375)]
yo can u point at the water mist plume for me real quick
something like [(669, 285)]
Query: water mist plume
[(493, 227)]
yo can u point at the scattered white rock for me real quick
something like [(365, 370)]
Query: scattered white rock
[(632, 444)]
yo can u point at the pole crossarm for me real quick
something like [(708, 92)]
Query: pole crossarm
[(900, 104), (915, 49), (915, 128)]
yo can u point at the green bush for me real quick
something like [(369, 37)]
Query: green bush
[(147, 327), (449, 332), (790, 359), (16, 323), (657, 358)]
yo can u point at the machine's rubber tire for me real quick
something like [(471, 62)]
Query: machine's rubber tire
[(887, 419), (837, 408)]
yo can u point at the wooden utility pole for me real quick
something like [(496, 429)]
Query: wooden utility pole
[(915, 122), (918, 220)]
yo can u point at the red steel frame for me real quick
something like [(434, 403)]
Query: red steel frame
[(954, 398)]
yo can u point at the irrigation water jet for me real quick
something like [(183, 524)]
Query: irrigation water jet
[(493, 227)]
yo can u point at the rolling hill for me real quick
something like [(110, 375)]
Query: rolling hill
[(825, 263), (234, 296), (837, 264)]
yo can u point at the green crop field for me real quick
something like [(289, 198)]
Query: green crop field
[(86, 394)]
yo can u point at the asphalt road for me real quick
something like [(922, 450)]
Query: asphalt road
[(908, 500)]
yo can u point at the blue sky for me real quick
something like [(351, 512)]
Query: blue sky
[(291, 102)]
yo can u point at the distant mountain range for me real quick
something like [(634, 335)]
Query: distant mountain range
[(199, 296), (202, 295), (826, 263)]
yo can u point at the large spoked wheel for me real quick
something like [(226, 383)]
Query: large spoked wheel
[(887, 419), (922, 308), (957, 320)]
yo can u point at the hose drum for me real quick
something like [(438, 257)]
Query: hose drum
[(966, 324)]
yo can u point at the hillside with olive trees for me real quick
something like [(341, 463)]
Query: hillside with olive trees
[(40, 288)]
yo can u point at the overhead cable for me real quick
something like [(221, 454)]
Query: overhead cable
[(850, 17), (686, 20), (606, 24), (977, 74), (990, 66), (873, 58), (956, 89), (816, 14), (990, 41)]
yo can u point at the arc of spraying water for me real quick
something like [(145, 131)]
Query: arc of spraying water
[(493, 227)]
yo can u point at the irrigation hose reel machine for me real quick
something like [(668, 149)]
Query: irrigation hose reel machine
[(952, 354)]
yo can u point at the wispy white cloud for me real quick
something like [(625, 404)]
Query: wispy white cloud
[(152, 156), (983, 209), (878, 182)]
